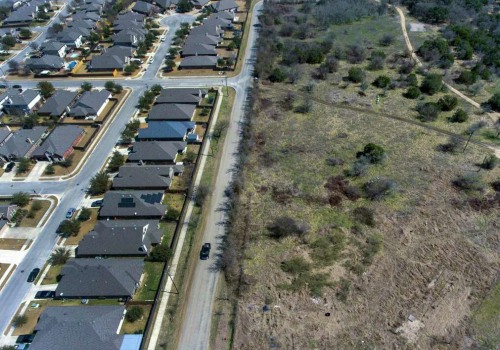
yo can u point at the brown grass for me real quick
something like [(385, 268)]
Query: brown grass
[(32, 314), (86, 227), (33, 222), (134, 327), (76, 157), (439, 256), (11, 244), (8, 276), (51, 276)]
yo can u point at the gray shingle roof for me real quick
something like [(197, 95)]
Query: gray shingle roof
[(131, 16), (89, 103), (156, 151), (172, 111), (120, 238), (207, 29), (79, 328), (52, 46), (106, 62), (59, 141), (132, 176), (224, 5), (192, 96), (195, 49), (203, 39), (166, 130), (132, 204), (93, 278), (198, 61), (143, 7), (22, 142), (4, 133), (56, 105), (45, 62), (21, 99)]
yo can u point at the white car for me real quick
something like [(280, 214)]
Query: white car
[(162, 38), (151, 60)]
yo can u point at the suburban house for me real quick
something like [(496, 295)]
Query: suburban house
[(156, 152), (20, 103), (196, 49), (166, 131), (126, 38), (172, 111), (205, 39), (99, 278), (59, 144), (120, 238), (208, 29), (57, 105), (131, 16), (145, 177), (84, 327), (167, 4), (82, 16), (22, 16), (190, 96), (199, 62), (90, 104), (70, 37), (198, 4), (222, 19), (115, 57), (21, 143), (82, 23), (225, 5), (54, 48), (46, 62), (132, 205), (145, 8)]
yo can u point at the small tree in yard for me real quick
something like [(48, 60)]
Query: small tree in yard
[(85, 214), (60, 256), (109, 85), (160, 253), (134, 314), (219, 129), (25, 33), (20, 199), (23, 165), (172, 214), (117, 160), (13, 66), (190, 157), (69, 228), (36, 205), (156, 89), (46, 89), (118, 89), (99, 183), (19, 321), (200, 194), (356, 75), (86, 86)]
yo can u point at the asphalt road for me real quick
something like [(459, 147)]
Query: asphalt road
[(195, 331), (71, 192)]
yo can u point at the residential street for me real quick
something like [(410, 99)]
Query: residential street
[(71, 192)]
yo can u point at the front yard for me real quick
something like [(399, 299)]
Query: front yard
[(85, 227)]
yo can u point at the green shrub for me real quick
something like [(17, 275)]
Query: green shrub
[(19, 321), (432, 84), (447, 103), (286, 226), (382, 81), (490, 162), (364, 216), (85, 214), (460, 116), (412, 92), (356, 75), (469, 182), (296, 265), (277, 75), (20, 199), (134, 314), (494, 102), (379, 188), (49, 170), (160, 253), (373, 153), (326, 250), (428, 112)]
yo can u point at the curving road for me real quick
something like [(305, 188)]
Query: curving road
[(71, 192)]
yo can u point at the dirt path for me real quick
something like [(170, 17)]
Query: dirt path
[(409, 46)]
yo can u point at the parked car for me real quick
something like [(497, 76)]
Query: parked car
[(95, 204), (205, 251), (17, 86), (151, 60), (9, 167), (45, 294), (162, 38), (25, 339), (33, 274), (70, 213)]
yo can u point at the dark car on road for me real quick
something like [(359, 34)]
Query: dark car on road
[(205, 251), (25, 339), (16, 86), (45, 294), (33, 274), (96, 204), (9, 167)]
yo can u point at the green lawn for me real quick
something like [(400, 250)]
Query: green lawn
[(486, 320), (151, 281)]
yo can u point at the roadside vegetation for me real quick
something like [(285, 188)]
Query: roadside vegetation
[(363, 197)]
